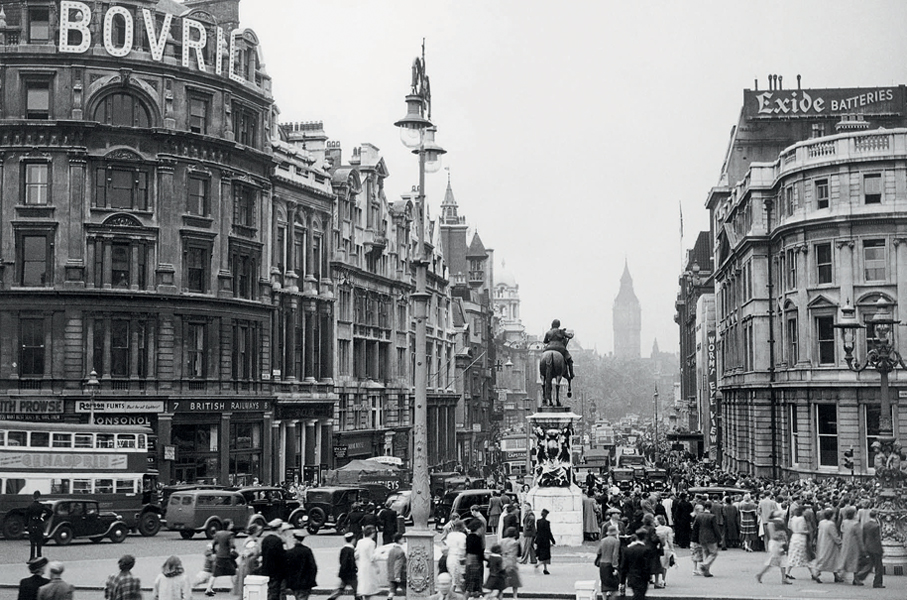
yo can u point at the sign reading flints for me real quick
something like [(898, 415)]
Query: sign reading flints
[(792, 103), (206, 406), (35, 460), (32, 406), (120, 406)]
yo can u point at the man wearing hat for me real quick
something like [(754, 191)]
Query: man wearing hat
[(273, 559), (634, 565), (301, 568), (28, 587), (35, 514), (348, 569), (57, 589)]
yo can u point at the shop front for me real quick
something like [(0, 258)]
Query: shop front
[(216, 441), (28, 408), (302, 440), (357, 445)]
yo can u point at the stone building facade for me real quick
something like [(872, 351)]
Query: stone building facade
[(819, 225)]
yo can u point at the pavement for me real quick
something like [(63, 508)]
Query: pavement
[(734, 577)]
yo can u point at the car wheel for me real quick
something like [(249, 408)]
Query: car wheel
[(14, 527), (149, 524), (317, 518), (296, 521), (118, 534), (212, 528), (186, 534), (63, 535)]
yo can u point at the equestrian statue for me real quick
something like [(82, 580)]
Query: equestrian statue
[(556, 363)]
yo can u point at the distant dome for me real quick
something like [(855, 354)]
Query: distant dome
[(504, 277)]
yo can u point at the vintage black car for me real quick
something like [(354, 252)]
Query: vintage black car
[(80, 518), (271, 502), (331, 506)]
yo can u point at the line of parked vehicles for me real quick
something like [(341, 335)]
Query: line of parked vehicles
[(192, 509)]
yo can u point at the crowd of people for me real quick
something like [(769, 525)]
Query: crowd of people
[(823, 526)]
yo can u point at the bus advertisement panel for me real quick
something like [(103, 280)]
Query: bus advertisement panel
[(107, 463)]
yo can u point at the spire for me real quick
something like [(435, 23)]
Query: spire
[(448, 195)]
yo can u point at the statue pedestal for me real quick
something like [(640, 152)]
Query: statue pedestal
[(565, 512), (553, 468)]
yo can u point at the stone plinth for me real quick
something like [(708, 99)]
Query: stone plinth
[(565, 512)]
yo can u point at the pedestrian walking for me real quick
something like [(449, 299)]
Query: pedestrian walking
[(527, 543), (28, 587), (798, 553), (828, 545), (872, 545), (301, 568), (496, 582), (748, 515), (123, 585), (777, 544), (767, 506), (851, 545), (634, 566), (171, 583), (348, 569), (543, 541), (456, 553), (666, 558), (473, 569), (709, 536), (396, 567), (495, 509), (35, 513), (511, 518), (696, 553), (731, 523), (477, 516), (366, 564), (510, 551), (224, 556), (249, 557), (387, 520), (57, 589), (273, 559), (608, 562), (683, 520)]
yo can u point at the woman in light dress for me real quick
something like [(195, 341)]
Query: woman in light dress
[(798, 553), (828, 545), (456, 553), (666, 535), (366, 565)]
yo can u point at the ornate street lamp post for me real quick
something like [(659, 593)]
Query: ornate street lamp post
[(92, 385), (884, 358), (418, 133)]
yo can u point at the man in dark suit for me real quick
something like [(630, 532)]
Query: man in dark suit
[(682, 510), (301, 568), (34, 520), (872, 545), (709, 535), (28, 587), (634, 566)]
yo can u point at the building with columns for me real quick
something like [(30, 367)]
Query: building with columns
[(818, 223)]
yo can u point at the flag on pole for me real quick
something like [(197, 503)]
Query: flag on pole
[(680, 205)]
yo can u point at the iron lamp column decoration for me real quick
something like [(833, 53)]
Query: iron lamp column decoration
[(890, 466), (418, 133)]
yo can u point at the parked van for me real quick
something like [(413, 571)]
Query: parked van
[(459, 503), (194, 511)]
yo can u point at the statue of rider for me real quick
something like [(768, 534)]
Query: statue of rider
[(556, 339)]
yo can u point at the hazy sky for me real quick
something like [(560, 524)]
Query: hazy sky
[(574, 130)]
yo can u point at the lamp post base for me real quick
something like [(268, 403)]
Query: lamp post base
[(420, 563), (893, 518)]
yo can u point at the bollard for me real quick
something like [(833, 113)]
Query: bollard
[(586, 589), (255, 587)]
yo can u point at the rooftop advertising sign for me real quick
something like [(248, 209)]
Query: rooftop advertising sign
[(813, 103), (75, 18)]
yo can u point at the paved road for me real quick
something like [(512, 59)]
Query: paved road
[(87, 567)]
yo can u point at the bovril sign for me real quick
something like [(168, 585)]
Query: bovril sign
[(792, 103)]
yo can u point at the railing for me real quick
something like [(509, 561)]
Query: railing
[(821, 149), (872, 143)]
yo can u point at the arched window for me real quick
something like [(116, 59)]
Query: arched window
[(122, 109)]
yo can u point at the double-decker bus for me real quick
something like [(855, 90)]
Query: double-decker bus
[(107, 463)]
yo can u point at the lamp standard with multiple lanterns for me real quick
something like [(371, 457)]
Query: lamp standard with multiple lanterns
[(418, 133), (883, 357)]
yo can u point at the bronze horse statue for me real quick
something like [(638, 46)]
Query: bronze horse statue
[(553, 368)]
